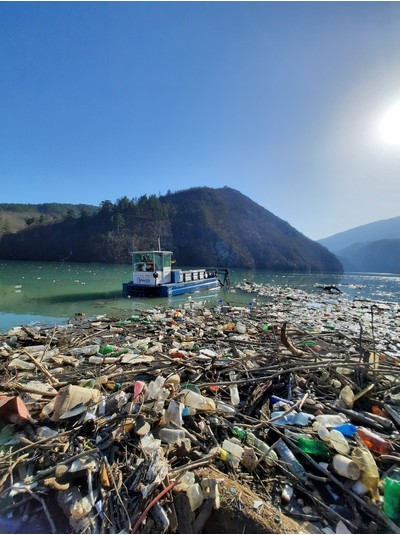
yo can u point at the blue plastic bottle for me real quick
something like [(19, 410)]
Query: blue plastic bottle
[(348, 430)]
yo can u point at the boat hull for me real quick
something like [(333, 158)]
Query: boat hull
[(171, 288)]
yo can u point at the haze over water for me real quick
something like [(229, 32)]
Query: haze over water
[(52, 292)]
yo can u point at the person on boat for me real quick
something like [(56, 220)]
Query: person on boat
[(142, 266)]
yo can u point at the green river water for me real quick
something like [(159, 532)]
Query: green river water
[(51, 292)]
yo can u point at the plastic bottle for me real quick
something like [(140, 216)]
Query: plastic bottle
[(313, 446), (339, 442), (249, 438), (233, 389), (87, 350), (276, 399), (374, 442), (293, 418), (291, 463), (391, 496), (330, 420), (197, 401), (346, 467), (224, 408), (104, 350), (369, 471), (348, 430), (174, 412), (347, 397)]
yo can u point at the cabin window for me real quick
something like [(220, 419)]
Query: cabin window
[(167, 260), (143, 262), (158, 257)]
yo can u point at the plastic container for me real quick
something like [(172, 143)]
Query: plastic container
[(391, 496), (171, 436), (291, 463), (374, 442), (187, 480), (233, 448), (338, 442), (313, 447), (195, 495), (346, 467)]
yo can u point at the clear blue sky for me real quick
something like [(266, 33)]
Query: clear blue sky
[(279, 100)]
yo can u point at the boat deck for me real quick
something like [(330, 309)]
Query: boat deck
[(171, 288)]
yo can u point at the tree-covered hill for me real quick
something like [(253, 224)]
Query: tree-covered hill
[(15, 217), (202, 226)]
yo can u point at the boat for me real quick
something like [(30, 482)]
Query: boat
[(153, 276)]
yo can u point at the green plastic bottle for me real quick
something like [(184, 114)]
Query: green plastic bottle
[(104, 350), (391, 496), (313, 447)]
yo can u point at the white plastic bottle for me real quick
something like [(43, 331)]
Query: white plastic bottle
[(233, 389)]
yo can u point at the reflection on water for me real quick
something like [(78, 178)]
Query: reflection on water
[(46, 291)]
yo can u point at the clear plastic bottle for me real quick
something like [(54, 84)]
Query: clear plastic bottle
[(196, 401), (291, 463), (330, 420), (233, 389), (339, 442), (249, 438)]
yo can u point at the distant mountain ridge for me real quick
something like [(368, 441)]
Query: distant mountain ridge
[(202, 226), (374, 247), (377, 230)]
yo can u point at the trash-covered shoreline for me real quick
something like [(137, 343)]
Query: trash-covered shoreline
[(282, 416)]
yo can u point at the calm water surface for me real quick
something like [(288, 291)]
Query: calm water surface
[(52, 292)]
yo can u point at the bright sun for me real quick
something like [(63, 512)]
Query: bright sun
[(390, 126)]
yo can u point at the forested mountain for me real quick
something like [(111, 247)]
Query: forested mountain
[(202, 226), (15, 217), (374, 247)]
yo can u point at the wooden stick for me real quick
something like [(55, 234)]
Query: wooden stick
[(53, 381)]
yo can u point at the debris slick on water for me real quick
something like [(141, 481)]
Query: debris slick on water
[(282, 416)]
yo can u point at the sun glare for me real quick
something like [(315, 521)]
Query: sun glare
[(390, 125)]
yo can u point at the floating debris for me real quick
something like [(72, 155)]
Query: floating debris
[(282, 416)]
